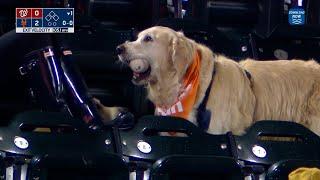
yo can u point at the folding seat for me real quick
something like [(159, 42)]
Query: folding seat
[(195, 167), (38, 145), (272, 149), (196, 155), (282, 169)]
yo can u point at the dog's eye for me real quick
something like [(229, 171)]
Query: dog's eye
[(147, 38)]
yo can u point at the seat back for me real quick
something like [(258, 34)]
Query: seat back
[(193, 155), (281, 140), (268, 142), (195, 167), (55, 146), (282, 169)]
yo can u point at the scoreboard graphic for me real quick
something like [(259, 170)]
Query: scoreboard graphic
[(44, 20)]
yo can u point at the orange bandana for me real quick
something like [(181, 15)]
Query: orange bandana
[(186, 100)]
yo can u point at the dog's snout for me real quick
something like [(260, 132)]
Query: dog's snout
[(120, 49)]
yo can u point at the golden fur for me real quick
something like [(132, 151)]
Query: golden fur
[(278, 90), (107, 113)]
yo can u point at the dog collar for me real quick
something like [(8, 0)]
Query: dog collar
[(204, 115)]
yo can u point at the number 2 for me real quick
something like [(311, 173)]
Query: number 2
[(36, 23)]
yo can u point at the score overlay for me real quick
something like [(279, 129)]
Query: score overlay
[(44, 20)]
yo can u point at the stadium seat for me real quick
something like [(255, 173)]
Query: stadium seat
[(55, 146), (282, 169), (197, 155), (270, 147), (187, 167)]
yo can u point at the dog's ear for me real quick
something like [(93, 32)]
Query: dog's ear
[(182, 53)]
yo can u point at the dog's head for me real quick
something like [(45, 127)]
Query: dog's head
[(159, 53)]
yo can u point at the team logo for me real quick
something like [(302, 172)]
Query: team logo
[(23, 12)]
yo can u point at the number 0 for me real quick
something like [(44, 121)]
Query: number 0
[(36, 12)]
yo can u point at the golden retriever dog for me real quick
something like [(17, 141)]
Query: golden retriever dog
[(181, 75)]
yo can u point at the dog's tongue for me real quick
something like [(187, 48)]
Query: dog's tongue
[(135, 74)]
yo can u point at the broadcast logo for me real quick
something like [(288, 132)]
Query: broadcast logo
[(296, 16)]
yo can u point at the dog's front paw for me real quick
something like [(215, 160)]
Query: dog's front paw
[(107, 113)]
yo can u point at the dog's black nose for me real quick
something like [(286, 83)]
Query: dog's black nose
[(120, 49)]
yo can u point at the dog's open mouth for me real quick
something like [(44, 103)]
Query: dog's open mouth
[(141, 71)]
